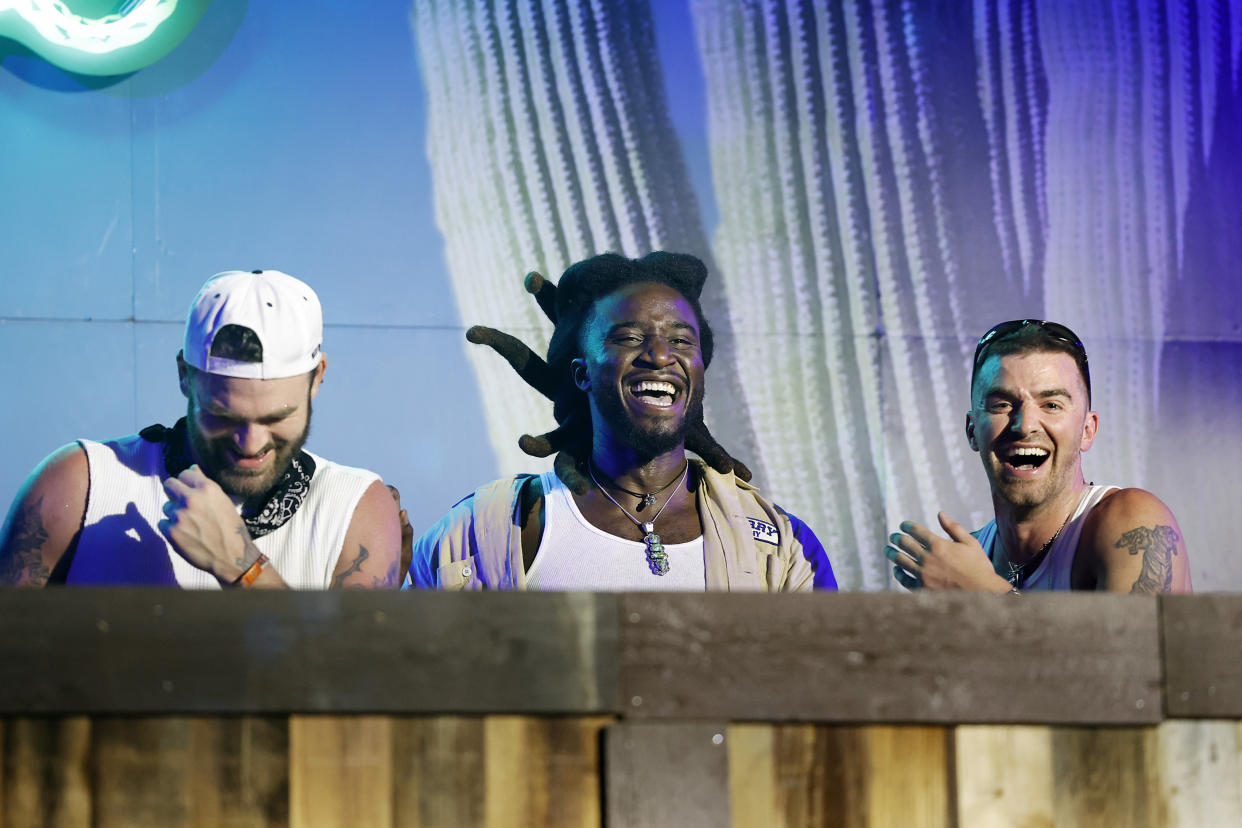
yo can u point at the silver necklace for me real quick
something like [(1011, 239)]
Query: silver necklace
[(657, 558), (1017, 571)]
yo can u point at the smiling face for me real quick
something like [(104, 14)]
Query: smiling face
[(642, 367), (1030, 422), (244, 432)]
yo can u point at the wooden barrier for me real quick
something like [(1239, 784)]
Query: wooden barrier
[(163, 708)]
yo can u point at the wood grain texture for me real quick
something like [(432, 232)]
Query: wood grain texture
[(340, 771), (809, 776), (935, 658), (1004, 776), (1104, 777), (1202, 637), (46, 775), (340, 652), (669, 774), (1198, 769), (194, 772)]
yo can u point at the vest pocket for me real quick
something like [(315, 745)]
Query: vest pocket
[(459, 575)]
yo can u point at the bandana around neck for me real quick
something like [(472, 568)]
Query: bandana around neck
[(282, 500)]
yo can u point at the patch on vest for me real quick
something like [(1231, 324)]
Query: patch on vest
[(764, 531)]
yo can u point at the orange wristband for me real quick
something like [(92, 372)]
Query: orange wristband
[(252, 572)]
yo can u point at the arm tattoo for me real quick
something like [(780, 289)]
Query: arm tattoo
[(22, 563), (1158, 545), (356, 566), (250, 552), (390, 580)]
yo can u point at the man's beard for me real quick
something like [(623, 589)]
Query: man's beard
[(1026, 497), (649, 442), (214, 458)]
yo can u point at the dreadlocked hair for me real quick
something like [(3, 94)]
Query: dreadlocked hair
[(568, 305)]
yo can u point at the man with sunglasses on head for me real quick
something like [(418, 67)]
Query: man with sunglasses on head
[(1030, 420)]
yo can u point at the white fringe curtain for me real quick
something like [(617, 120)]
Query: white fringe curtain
[(850, 239), (549, 141)]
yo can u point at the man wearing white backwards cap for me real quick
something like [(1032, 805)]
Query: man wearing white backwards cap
[(227, 496)]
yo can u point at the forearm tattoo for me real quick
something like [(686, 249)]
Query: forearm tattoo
[(22, 562), (250, 552), (1157, 545), (356, 566)]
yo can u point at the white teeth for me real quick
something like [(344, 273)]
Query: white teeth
[(1029, 452), (654, 392), (658, 387)]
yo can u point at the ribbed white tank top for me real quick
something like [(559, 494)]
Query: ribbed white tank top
[(574, 555), (121, 542), (1055, 569)]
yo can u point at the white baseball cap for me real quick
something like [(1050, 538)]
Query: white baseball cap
[(283, 312)]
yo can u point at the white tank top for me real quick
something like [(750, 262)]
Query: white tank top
[(1054, 570), (122, 544), (574, 555)]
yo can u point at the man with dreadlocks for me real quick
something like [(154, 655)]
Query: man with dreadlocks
[(626, 508)]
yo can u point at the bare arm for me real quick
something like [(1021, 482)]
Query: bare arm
[(45, 518), (371, 555), (1133, 544)]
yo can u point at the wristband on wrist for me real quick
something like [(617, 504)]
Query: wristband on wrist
[(252, 572)]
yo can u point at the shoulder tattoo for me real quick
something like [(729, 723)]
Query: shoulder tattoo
[(1157, 545), (23, 564)]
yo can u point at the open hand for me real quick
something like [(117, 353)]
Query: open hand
[(925, 559), (203, 525)]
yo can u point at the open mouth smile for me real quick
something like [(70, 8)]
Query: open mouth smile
[(1023, 461), (656, 393)]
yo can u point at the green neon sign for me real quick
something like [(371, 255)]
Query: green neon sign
[(106, 38)]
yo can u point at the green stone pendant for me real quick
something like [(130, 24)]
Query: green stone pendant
[(656, 557)]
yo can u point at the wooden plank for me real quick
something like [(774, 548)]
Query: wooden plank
[(438, 771), (667, 774), (1203, 655), (141, 772), (542, 771), (124, 650), (1004, 775), (937, 658), (1103, 777), (497, 771), (1197, 772), (46, 776), (340, 771), (914, 761), (817, 776), (239, 772)]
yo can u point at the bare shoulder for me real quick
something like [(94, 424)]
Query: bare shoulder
[(1135, 544), (371, 555), (45, 518)]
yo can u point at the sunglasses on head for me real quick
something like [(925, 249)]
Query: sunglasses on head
[(1055, 330)]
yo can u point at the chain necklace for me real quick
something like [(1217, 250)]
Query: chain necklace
[(657, 558), (1017, 571), (646, 498)]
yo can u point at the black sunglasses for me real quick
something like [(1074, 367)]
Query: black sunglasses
[(1055, 330)]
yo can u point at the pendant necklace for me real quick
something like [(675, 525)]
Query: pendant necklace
[(657, 558), (1017, 571)]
